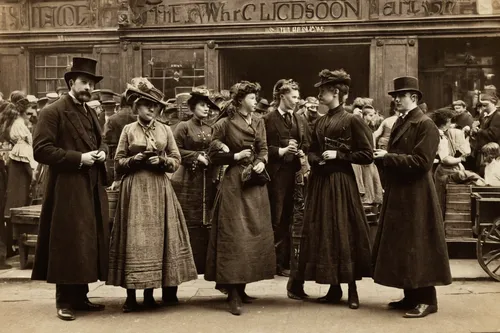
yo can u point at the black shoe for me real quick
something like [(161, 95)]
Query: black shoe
[(66, 314), (88, 306), (282, 272), (421, 311), (170, 301), (334, 295), (403, 304), (353, 299), (150, 303), (297, 294), (130, 307), (235, 306)]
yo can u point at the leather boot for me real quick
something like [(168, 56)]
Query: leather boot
[(149, 300), (169, 296), (243, 295), (234, 301), (353, 299), (334, 295)]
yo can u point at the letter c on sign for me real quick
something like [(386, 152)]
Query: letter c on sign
[(244, 11), (278, 11)]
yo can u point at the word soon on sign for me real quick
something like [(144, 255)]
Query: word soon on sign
[(216, 12)]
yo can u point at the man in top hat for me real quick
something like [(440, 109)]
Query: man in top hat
[(489, 128), (310, 111), (72, 248), (410, 250), (287, 140), (113, 129), (262, 107)]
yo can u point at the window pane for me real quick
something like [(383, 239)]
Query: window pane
[(39, 60), (51, 61)]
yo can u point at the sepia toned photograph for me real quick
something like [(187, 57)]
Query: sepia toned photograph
[(250, 166)]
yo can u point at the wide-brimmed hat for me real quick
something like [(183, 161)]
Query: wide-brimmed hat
[(83, 66), (52, 97), (338, 76), (141, 88), (406, 84), (202, 94), (263, 105)]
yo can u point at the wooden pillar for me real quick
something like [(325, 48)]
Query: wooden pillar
[(212, 65), (390, 58)]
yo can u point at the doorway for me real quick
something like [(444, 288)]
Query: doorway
[(268, 65)]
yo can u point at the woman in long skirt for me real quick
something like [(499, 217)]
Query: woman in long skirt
[(336, 246), (192, 182), (149, 243), (241, 246)]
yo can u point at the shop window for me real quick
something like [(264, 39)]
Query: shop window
[(50, 69), (458, 69), (174, 71)]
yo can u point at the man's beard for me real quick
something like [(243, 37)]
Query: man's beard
[(83, 96)]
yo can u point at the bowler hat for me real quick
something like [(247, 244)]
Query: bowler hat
[(42, 102), (333, 77), (263, 105), (107, 96), (202, 94), (406, 84), (82, 66), (52, 97)]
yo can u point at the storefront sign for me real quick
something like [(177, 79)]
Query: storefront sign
[(164, 12), (397, 9), (74, 14), (296, 30)]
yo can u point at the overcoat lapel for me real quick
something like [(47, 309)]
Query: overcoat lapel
[(300, 126), (72, 115), (400, 130)]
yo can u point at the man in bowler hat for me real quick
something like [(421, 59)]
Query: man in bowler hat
[(410, 250), (72, 248)]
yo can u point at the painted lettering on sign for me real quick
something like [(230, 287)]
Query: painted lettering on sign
[(10, 18), (62, 15), (155, 12), (296, 30), (426, 8)]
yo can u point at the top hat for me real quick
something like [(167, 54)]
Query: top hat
[(141, 88), (263, 105), (406, 84), (83, 66), (107, 96), (336, 77), (202, 94)]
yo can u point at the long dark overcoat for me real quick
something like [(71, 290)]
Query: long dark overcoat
[(70, 249), (410, 250)]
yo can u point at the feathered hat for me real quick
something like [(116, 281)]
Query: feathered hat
[(141, 88), (338, 76)]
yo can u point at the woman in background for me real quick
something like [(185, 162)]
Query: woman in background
[(21, 164)]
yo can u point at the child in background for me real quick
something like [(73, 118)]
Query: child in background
[(491, 153)]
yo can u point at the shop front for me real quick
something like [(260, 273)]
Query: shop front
[(180, 44)]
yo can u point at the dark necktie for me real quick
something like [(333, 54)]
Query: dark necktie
[(288, 119)]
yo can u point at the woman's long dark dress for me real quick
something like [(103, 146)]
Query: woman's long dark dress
[(336, 245), (192, 183), (241, 246)]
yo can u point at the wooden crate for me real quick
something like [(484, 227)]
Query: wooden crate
[(457, 220), (25, 221)]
